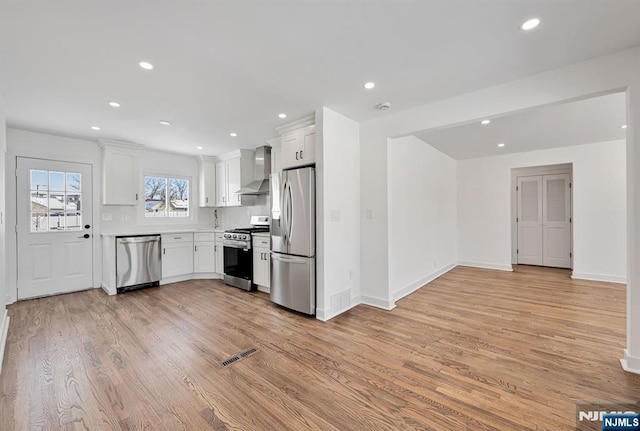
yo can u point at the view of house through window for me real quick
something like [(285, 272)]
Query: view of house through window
[(56, 201), (166, 197)]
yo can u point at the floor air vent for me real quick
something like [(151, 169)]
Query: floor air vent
[(238, 357)]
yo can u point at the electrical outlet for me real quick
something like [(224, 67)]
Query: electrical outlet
[(107, 216), (335, 215), (369, 213)]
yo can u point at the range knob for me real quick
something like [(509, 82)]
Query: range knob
[(244, 236), (235, 236)]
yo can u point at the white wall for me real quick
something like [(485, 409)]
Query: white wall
[(232, 217), (45, 146), (338, 213), (21, 143), (422, 214), (160, 163), (618, 71), (599, 208), (4, 319)]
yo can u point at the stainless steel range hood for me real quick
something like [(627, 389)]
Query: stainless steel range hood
[(262, 166)]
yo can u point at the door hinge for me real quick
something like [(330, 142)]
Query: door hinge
[(570, 219), (516, 219), (517, 251), (570, 254), (569, 185), (516, 188)]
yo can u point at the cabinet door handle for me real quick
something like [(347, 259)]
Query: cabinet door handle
[(300, 154), (223, 199), (136, 196), (164, 251), (195, 248), (206, 199), (297, 155)]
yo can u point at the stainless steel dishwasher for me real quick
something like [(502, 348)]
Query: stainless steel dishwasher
[(138, 262)]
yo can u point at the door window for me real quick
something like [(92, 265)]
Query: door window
[(56, 201)]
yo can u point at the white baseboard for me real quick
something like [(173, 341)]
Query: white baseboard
[(630, 363), (109, 291), (205, 276), (264, 289), (385, 304), (4, 330), (418, 284), (327, 314), (485, 265), (599, 277)]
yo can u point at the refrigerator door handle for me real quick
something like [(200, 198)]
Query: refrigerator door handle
[(283, 210), (290, 215), (287, 259)]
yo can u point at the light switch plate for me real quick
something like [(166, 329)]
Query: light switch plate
[(369, 213), (335, 215)]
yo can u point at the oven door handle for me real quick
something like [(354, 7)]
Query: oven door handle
[(243, 246)]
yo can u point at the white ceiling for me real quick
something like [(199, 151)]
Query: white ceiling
[(587, 121), (223, 66)]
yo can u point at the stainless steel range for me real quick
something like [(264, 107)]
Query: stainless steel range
[(238, 255)]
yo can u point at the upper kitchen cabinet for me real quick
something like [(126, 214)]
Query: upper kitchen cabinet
[(120, 172), (298, 146), (206, 181), (233, 171)]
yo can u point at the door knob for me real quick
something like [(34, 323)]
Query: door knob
[(85, 236), (87, 226)]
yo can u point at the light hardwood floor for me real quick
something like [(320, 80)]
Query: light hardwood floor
[(475, 349)]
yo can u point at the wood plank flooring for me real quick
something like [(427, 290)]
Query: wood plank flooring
[(475, 349)]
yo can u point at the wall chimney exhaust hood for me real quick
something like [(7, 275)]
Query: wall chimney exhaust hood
[(262, 166)]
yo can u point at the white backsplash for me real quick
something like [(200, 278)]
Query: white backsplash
[(233, 217)]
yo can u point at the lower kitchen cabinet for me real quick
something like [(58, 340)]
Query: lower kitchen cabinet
[(218, 251), (177, 254), (204, 246), (261, 261)]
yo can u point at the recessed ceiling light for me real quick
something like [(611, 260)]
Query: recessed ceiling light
[(164, 122), (485, 122), (369, 85), (501, 144), (200, 148), (624, 126), (233, 134), (114, 104), (146, 65), (95, 128), (530, 24), (282, 115)]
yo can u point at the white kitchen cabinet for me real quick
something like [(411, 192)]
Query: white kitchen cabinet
[(219, 254), (261, 261), (177, 254), (120, 172), (206, 182), (299, 148), (204, 246), (232, 172)]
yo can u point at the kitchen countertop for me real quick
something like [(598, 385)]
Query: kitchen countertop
[(262, 234), (155, 231)]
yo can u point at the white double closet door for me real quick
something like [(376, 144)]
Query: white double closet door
[(544, 220)]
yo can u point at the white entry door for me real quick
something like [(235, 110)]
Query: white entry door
[(556, 220), (544, 220), (530, 220), (54, 227)]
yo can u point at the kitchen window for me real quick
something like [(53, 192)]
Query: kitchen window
[(166, 197)]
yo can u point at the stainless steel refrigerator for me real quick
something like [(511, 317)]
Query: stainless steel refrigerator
[(293, 239)]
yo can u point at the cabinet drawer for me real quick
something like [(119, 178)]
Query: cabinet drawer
[(261, 241), (204, 236), (168, 238)]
